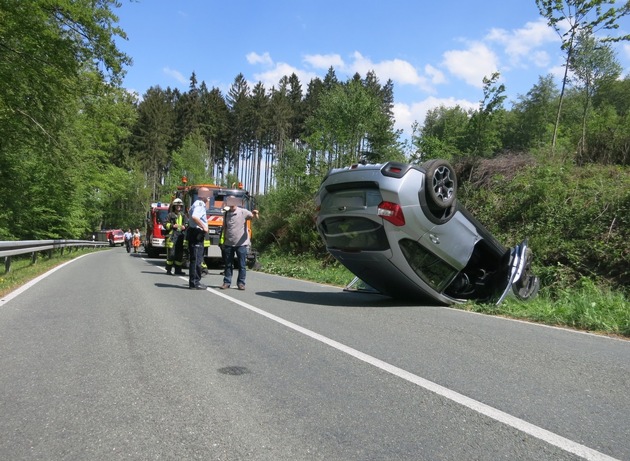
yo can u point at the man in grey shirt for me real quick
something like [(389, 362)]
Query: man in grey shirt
[(236, 241)]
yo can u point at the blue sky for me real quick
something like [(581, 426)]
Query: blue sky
[(435, 52)]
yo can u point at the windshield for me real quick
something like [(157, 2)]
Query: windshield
[(353, 233), (218, 198), (161, 216)]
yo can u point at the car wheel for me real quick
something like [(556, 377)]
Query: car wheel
[(441, 184), (528, 285)]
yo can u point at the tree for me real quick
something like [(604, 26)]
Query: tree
[(443, 134), (532, 118), (259, 123), (484, 132), (577, 16), (296, 100), (384, 138), (280, 115), (188, 113), (58, 59), (215, 127), (45, 48), (189, 161), (592, 64), (237, 100), (153, 135)]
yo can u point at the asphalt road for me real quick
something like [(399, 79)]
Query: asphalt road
[(108, 358)]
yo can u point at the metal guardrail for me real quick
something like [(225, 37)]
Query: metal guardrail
[(21, 247)]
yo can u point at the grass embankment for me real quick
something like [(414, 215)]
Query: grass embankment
[(587, 308)]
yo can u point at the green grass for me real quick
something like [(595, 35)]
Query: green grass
[(306, 267), (586, 307)]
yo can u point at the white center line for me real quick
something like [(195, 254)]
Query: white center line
[(486, 410)]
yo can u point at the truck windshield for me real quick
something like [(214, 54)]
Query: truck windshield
[(161, 216), (217, 200)]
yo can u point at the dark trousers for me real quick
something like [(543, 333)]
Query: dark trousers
[(195, 237), (175, 250), (195, 252), (241, 256)]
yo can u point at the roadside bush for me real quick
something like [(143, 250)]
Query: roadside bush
[(287, 221), (577, 218)]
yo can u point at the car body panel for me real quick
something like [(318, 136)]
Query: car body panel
[(381, 223), (453, 241)]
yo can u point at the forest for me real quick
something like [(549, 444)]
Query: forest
[(79, 153)]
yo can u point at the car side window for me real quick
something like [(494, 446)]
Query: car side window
[(435, 272)]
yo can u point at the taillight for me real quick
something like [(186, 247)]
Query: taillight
[(392, 213)]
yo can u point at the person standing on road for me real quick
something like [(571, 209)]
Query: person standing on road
[(136, 240), (128, 237), (236, 241), (175, 225), (197, 230)]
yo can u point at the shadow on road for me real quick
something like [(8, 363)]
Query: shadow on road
[(341, 299)]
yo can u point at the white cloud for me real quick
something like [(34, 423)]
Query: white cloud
[(271, 77), (540, 58), (177, 75), (472, 64), (399, 71), (436, 75), (522, 45), (324, 61), (255, 58)]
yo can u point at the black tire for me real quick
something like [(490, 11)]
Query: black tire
[(441, 184), (253, 264)]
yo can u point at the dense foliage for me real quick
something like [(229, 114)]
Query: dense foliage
[(78, 153), (577, 227)]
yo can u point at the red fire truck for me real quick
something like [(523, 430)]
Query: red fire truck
[(155, 235), (189, 193), (113, 236)]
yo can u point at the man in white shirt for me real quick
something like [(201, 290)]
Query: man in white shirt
[(197, 230)]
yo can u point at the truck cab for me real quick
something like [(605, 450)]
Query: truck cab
[(155, 235)]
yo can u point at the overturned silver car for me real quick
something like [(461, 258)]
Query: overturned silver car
[(401, 230)]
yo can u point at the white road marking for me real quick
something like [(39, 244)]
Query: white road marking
[(538, 432), (486, 410)]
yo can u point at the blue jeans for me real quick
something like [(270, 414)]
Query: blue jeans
[(228, 259), (195, 253)]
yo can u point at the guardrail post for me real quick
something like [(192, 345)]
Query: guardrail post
[(7, 264), (33, 257)]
